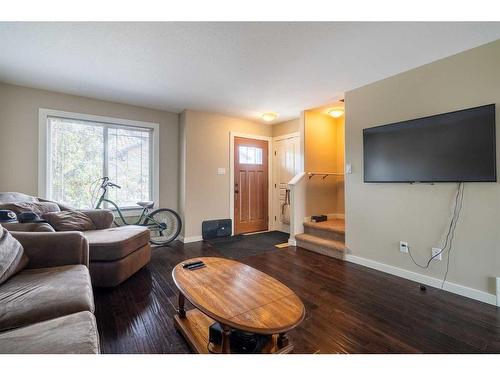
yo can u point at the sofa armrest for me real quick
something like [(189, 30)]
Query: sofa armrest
[(54, 249), (102, 218), (28, 227)]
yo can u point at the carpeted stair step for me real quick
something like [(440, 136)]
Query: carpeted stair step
[(333, 229), (320, 245)]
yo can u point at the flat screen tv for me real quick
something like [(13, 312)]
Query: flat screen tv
[(451, 147)]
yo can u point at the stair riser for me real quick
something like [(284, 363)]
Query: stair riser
[(325, 234), (321, 250)]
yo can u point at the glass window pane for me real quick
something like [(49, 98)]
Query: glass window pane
[(128, 165), (243, 155), (258, 156), (76, 160), (250, 155)]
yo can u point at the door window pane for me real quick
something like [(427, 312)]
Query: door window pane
[(250, 155)]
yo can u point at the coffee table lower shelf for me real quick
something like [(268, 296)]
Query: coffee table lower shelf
[(194, 329)]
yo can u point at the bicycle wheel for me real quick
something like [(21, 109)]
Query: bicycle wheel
[(164, 224)]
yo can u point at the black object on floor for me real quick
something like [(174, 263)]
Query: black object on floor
[(241, 246), (211, 229)]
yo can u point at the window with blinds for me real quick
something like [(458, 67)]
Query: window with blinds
[(81, 151)]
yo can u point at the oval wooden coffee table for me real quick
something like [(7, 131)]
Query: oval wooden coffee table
[(237, 296)]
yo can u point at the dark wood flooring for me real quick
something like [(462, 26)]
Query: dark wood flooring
[(350, 308)]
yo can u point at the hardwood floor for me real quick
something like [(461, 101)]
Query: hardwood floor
[(349, 308)]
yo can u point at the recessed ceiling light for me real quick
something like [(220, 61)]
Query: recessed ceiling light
[(336, 112), (269, 116)]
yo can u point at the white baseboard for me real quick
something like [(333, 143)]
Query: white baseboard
[(427, 280), (190, 239), (292, 242), (498, 290)]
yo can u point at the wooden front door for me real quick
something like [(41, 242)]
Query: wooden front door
[(250, 185)]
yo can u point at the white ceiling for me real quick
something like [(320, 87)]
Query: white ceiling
[(241, 69)]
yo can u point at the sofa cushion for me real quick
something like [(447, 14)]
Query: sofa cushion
[(110, 274), (64, 221), (115, 243), (28, 227), (12, 257), (71, 334), (35, 295), (39, 208)]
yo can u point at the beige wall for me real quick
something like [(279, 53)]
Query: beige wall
[(19, 135), (324, 152), (340, 164), (182, 167), (380, 215), (207, 148), (287, 127)]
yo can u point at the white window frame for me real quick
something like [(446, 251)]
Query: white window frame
[(44, 154)]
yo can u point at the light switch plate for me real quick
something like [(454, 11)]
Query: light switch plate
[(221, 171), (348, 168)]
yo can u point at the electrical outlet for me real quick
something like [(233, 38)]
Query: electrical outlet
[(437, 250), (403, 247)]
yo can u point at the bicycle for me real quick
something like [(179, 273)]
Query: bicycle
[(164, 222)]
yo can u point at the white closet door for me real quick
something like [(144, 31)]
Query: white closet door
[(286, 166)]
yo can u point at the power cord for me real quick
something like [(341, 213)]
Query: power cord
[(449, 235), (452, 236)]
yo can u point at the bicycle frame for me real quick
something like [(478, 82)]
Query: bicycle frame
[(144, 213)]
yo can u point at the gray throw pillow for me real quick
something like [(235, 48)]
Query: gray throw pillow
[(12, 257)]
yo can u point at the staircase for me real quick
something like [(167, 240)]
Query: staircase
[(327, 237)]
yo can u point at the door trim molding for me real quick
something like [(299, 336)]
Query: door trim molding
[(286, 136), (269, 140)]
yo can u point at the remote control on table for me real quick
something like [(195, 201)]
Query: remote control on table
[(196, 266), (186, 265)]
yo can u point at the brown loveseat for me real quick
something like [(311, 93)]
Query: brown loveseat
[(116, 253), (48, 306)]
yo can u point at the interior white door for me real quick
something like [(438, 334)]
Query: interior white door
[(285, 166)]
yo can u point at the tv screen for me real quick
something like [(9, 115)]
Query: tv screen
[(451, 147)]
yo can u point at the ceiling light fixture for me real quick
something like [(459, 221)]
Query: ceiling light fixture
[(269, 116), (336, 112)]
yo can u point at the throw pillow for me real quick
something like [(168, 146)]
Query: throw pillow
[(12, 257), (39, 208), (69, 220)]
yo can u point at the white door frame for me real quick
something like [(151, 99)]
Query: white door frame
[(275, 210), (269, 140)]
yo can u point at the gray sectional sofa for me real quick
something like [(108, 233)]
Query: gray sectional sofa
[(48, 306), (115, 253)]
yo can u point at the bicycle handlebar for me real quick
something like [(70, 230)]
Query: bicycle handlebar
[(106, 183)]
